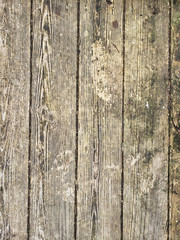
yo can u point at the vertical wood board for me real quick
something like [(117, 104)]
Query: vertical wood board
[(146, 120), (53, 119), (100, 120), (14, 117), (175, 123)]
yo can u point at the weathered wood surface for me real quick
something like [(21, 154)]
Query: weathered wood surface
[(53, 120), (175, 123), (100, 121), (89, 119), (14, 118), (146, 120)]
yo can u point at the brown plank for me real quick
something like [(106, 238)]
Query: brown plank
[(53, 119), (14, 117), (146, 120), (175, 123), (100, 120)]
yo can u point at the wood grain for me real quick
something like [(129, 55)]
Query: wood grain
[(100, 120), (175, 123), (146, 120), (53, 119), (14, 118), (89, 119)]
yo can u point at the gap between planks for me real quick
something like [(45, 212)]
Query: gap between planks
[(30, 118), (122, 145), (169, 122), (77, 119)]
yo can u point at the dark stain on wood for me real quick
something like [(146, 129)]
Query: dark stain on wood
[(115, 24), (109, 1)]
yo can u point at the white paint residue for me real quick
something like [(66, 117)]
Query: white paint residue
[(86, 33), (135, 160), (98, 71), (112, 167), (106, 71)]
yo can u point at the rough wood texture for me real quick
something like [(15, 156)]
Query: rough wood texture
[(89, 120), (53, 119), (146, 120), (100, 121), (175, 123), (14, 118)]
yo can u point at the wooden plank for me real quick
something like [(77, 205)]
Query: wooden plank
[(146, 120), (53, 119), (14, 117), (175, 123), (100, 120)]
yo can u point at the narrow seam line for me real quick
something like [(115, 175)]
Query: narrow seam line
[(122, 145), (77, 119), (30, 118), (169, 122)]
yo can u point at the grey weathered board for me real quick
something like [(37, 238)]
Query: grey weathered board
[(100, 120), (89, 119), (53, 119), (175, 122), (146, 119), (14, 117)]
